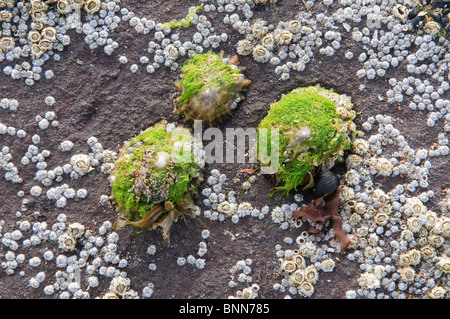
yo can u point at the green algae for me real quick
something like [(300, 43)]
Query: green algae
[(138, 185), (185, 22), (313, 134), (204, 71)]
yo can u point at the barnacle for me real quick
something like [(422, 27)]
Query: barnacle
[(49, 33), (306, 289), (63, 6), (379, 198), (92, 6), (5, 16), (287, 266), (171, 52), (34, 36), (297, 277), (268, 41), (353, 161), (368, 281), (427, 252), (437, 292), (209, 88), (75, 230), (294, 26), (261, 53), (432, 27), (352, 177), (244, 47), (6, 44), (284, 37), (328, 265), (400, 11), (384, 166), (81, 163), (414, 206), (299, 261), (259, 29), (227, 208), (407, 274), (311, 136), (436, 240), (152, 189), (413, 224), (381, 219), (360, 146), (67, 242)]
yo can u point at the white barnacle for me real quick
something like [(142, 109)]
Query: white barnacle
[(244, 47), (261, 54), (227, 208), (360, 146), (368, 281), (306, 289), (92, 6), (311, 274), (353, 160), (437, 292), (328, 265), (407, 274), (81, 163), (432, 27), (352, 177), (384, 166), (76, 230), (287, 266), (67, 242), (65, 146), (268, 41), (284, 37), (414, 206), (119, 285), (171, 52)]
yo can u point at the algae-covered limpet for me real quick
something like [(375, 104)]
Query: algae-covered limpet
[(312, 136), (209, 88), (155, 176)]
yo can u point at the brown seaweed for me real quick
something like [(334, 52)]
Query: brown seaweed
[(328, 212)]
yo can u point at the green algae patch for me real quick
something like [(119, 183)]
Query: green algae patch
[(155, 176), (185, 22), (315, 129), (209, 87)]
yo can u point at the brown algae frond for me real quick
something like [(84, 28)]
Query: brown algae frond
[(315, 128), (209, 88), (155, 177)]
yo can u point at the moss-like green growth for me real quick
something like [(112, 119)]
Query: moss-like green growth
[(315, 128), (155, 176), (185, 22), (209, 87)]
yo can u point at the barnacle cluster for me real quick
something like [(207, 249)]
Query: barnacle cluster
[(209, 88), (263, 41), (119, 288), (315, 128), (430, 16), (155, 176), (68, 240), (35, 32), (419, 232), (300, 278)]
